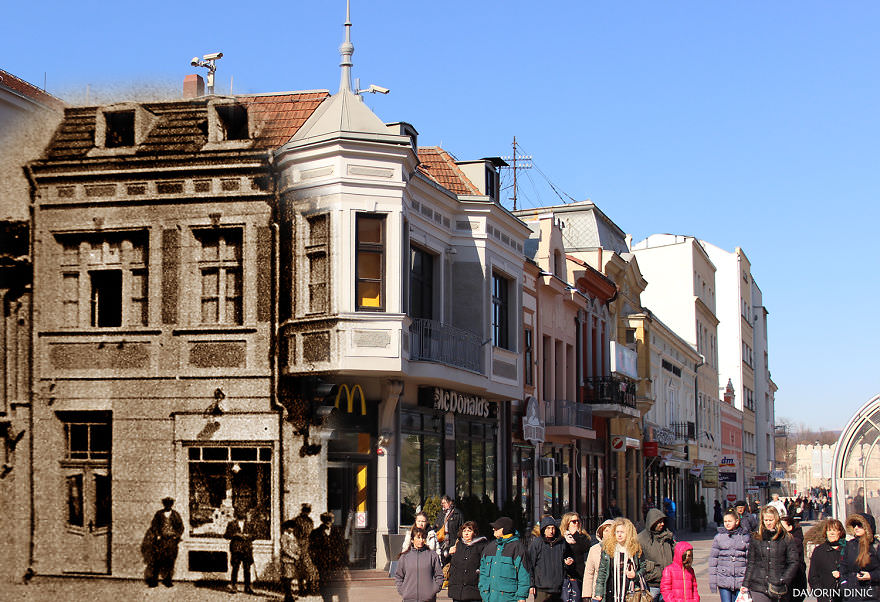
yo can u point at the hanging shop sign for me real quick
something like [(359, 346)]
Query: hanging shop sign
[(444, 400), (727, 477), (710, 476), (696, 470), (533, 427), (618, 443), (651, 449)]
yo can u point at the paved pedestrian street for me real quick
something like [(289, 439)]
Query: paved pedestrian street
[(366, 586)]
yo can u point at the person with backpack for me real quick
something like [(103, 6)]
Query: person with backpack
[(679, 582)]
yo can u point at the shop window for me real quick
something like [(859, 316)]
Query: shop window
[(370, 263), (421, 464), (318, 263), (114, 270), (500, 311), (220, 276), (225, 480), (421, 284), (475, 465)]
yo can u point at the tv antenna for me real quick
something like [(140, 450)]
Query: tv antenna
[(524, 163)]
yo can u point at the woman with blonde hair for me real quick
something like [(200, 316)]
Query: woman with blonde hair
[(621, 564), (577, 541), (772, 561)]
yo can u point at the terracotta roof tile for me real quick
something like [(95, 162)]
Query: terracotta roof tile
[(25, 89), (439, 165)]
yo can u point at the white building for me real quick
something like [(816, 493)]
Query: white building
[(765, 388), (681, 291), (736, 340)]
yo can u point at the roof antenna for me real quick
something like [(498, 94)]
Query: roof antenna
[(346, 50)]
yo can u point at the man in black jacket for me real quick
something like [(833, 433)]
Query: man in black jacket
[(240, 534), (547, 569), (163, 537), (658, 546)]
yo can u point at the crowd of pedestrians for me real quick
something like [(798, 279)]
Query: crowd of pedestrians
[(759, 554)]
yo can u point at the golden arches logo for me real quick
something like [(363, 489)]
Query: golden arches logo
[(350, 393)]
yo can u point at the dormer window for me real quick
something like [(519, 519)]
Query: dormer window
[(232, 120), (491, 183), (119, 129)]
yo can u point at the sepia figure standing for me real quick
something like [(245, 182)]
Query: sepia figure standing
[(240, 533), (307, 574), (290, 558), (163, 537), (329, 551)]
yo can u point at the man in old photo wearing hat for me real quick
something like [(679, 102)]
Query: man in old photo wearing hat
[(163, 536), (504, 560)]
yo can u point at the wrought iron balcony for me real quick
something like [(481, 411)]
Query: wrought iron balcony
[(610, 390), (571, 413), (435, 342), (684, 430)]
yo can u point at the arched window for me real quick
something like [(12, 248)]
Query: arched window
[(856, 470)]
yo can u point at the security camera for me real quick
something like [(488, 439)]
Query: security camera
[(213, 56), (195, 62), (374, 88)]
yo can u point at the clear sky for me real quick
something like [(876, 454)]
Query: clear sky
[(748, 123)]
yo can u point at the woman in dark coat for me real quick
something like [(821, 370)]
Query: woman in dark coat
[(574, 556), (798, 590), (727, 560), (824, 576), (860, 564), (464, 564), (772, 559)]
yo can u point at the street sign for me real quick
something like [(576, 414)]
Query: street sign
[(731, 497), (618, 443)]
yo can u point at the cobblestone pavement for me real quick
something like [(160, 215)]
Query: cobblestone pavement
[(368, 586)]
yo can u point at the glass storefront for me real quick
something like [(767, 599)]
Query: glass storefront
[(421, 461), (224, 480), (475, 450)]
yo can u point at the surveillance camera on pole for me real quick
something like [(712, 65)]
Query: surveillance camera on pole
[(207, 61)]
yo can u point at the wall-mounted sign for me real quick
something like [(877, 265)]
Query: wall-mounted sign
[(728, 462), (624, 360), (533, 428), (731, 497), (696, 471), (445, 400), (651, 449), (618, 443), (752, 491), (351, 394), (727, 477)]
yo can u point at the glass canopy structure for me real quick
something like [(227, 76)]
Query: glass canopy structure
[(856, 473)]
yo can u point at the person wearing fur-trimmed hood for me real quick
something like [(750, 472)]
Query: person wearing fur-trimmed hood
[(464, 563), (591, 566), (860, 562)]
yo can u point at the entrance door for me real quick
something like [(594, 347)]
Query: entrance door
[(350, 499), (87, 529)]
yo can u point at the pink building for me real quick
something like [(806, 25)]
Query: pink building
[(730, 470)]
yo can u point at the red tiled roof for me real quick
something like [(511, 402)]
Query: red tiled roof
[(29, 90), (439, 165), (279, 116)]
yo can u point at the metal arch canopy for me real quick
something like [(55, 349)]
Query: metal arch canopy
[(863, 430)]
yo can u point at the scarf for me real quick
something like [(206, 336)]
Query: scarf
[(620, 561)]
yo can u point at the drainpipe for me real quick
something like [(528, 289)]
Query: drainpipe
[(31, 494), (274, 287)]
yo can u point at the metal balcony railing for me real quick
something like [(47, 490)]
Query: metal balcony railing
[(435, 342), (684, 430), (610, 390), (571, 413)]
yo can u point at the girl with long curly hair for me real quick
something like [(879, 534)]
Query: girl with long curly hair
[(621, 564), (860, 563)]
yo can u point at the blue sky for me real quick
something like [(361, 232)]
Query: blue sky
[(747, 123)]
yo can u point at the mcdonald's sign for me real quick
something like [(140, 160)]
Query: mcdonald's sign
[(351, 394)]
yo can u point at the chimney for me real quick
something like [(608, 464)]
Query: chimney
[(193, 86)]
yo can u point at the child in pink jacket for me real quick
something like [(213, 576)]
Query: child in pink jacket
[(679, 583)]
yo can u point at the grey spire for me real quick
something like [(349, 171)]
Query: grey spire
[(346, 50)]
